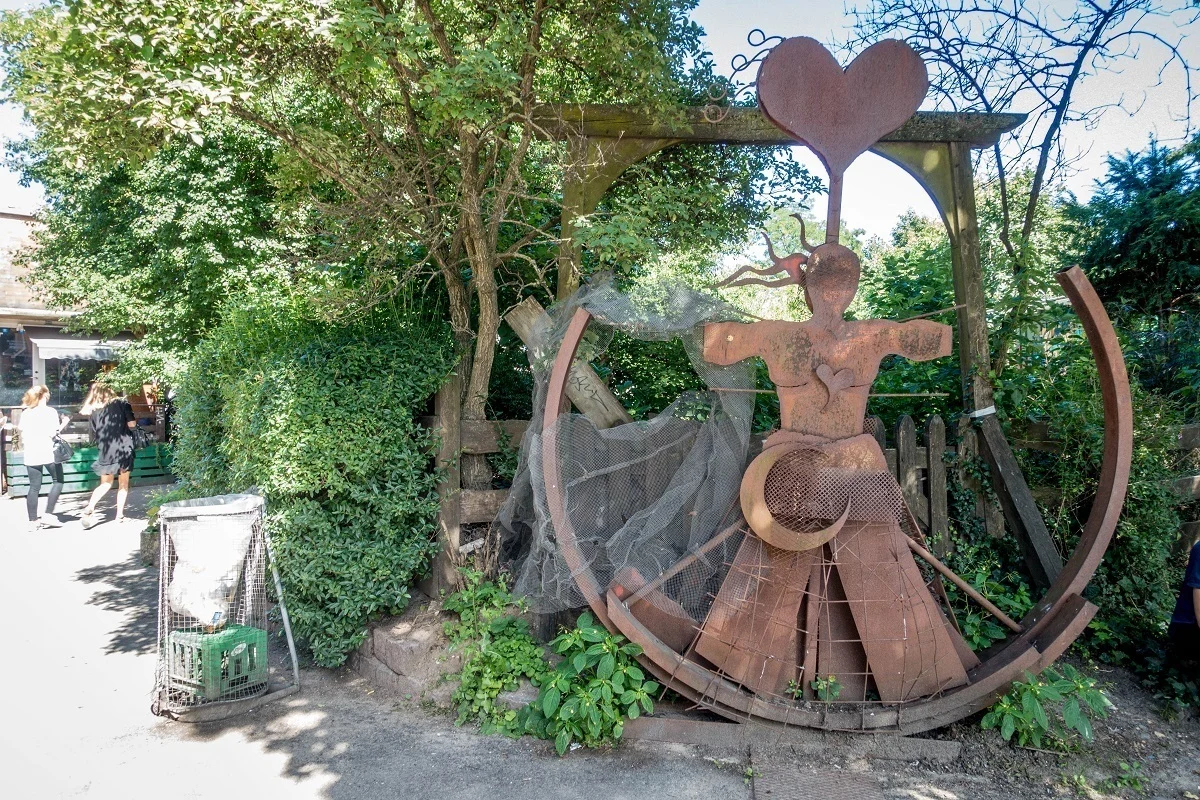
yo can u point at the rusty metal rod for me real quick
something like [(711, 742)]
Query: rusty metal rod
[(967, 588), (909, 394), (872, 394), (933, 313), (683, 563)]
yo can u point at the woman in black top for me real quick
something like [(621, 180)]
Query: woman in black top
[(112, 425)]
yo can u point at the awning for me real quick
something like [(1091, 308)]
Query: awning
[(76, 347)]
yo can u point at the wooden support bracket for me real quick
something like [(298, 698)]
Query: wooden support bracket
[(1041, 556), (585, 389), (448, 408)]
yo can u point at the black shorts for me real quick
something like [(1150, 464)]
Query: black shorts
[(123, 464)]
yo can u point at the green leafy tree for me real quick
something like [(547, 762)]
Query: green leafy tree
[(906, 277), (1040, 59), (408, 127), (1138, 238), (157, 250)]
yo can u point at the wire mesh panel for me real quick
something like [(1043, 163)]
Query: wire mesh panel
[(214, 642)]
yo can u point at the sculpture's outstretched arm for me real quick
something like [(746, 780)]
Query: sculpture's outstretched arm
[(919, 340), (730, 342)]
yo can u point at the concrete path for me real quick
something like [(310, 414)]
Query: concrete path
[(77, 641)]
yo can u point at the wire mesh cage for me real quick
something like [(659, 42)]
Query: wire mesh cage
[(216, 652)]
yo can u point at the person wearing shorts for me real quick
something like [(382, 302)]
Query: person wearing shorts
[(112, 424)]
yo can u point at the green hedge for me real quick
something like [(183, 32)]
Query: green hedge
[(322, 419)]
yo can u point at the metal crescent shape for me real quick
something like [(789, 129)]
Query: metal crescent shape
[(759, 517), (1048, 630)]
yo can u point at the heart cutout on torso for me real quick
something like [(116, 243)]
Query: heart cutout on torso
[(834, 382), (839, 114)]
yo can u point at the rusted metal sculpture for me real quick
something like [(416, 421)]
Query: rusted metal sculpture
[(824, 582)]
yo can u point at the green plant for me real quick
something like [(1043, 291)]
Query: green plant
[(1007, 589), (1048, 709), (588, 696), (498, 650), (828, 688), (496, 663), (1077, 782), (322, 419), (1131, 777), (505, 461), (478, 603)]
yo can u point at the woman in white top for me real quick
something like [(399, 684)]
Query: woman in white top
[(39, 424)]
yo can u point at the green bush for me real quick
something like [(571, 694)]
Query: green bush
[(1050, 709), (1136, 583), (588, 696), (322, 419)]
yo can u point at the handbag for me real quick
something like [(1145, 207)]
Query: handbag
[(142, 439), (62, 450)]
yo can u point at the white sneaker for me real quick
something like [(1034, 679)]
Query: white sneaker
[(49, 521)]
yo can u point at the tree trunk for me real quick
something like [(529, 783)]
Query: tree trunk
[(481, 251)]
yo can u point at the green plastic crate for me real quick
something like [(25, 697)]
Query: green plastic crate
[(228, 663)]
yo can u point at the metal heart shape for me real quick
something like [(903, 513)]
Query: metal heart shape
[(834, 383), (839, 114)]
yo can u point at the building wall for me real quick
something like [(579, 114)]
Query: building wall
[(18, 309), (16, 231)]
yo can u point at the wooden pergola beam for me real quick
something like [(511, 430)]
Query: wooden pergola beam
[(749, 126)]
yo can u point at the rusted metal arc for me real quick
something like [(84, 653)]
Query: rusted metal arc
[(1049, 630), (759, 517), (563, 531), (967, 588), (1118, 446)]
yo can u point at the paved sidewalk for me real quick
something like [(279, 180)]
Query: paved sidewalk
[(77, 668)]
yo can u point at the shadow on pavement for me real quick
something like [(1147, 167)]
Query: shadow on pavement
[(345, 745), (131, 590)]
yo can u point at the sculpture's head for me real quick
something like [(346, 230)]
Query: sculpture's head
[(830, 281)]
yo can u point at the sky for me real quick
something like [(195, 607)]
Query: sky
[(876, 192)]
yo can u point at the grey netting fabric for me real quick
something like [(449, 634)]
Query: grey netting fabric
[(642, 496)]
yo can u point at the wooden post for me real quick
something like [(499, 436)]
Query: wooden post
[(907, 463), (968, 451), (1041, 556), (1020, 510), (584, 387), (935, 448), (448, 410), (974, 357)]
